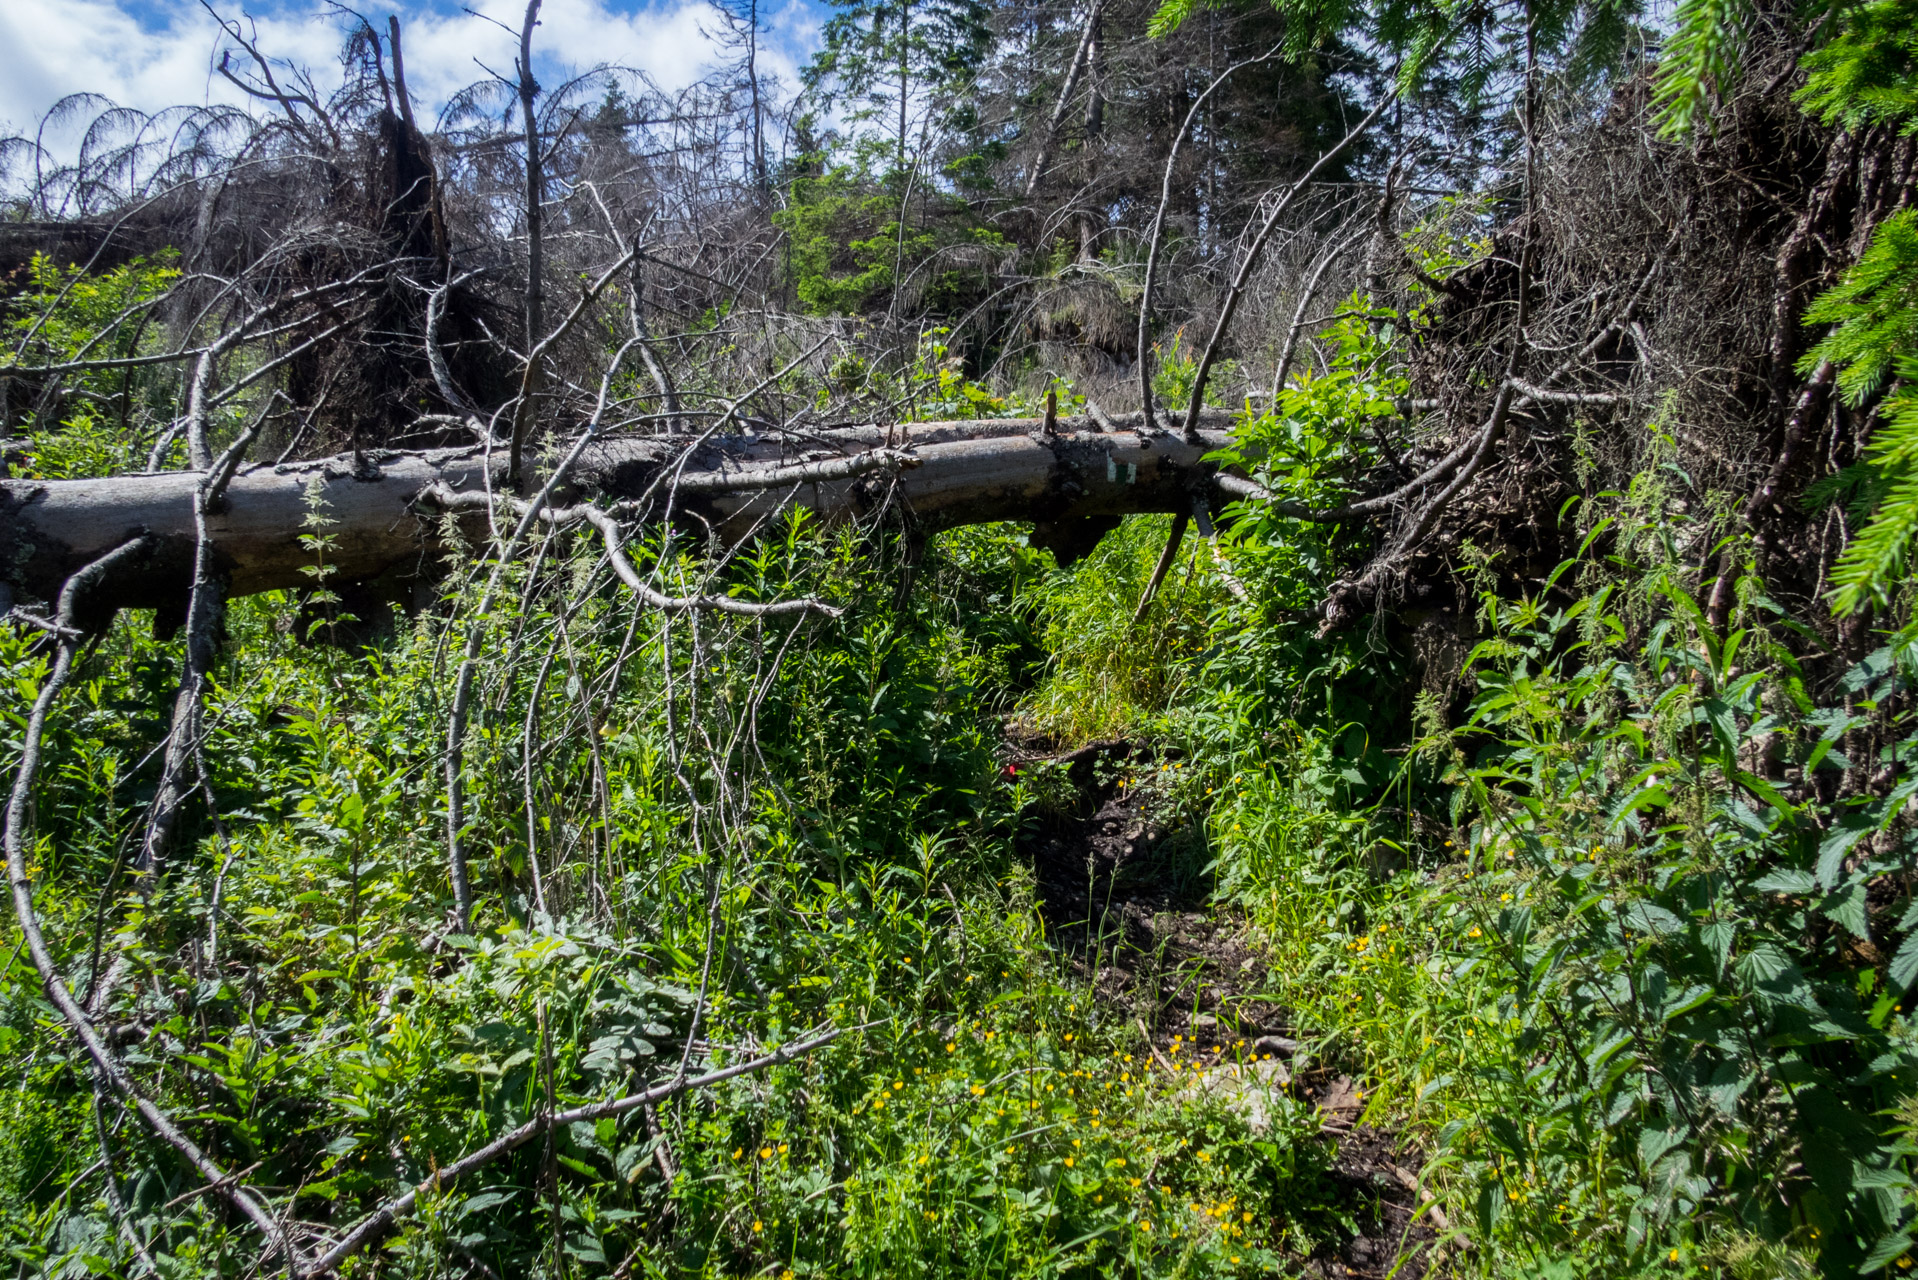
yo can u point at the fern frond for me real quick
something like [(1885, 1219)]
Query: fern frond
[(1703, 57), (1868, 73), (1858, 488), (1875, 561), (1875, 309)]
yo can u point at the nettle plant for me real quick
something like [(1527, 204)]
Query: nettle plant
[(1674, 924), (1322, 437), (109, 419)]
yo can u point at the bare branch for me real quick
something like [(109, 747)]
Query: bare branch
[(376, 1223), (1154, 236), (1171, 551), (1050, 137), (105, 1064), (1250, 258)]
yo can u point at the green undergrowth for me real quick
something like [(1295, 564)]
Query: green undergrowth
[(744, 833), (1614, 927), (1613, 921), (1618, 933), (1609, 907)]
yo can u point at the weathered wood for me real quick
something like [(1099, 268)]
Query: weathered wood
[(944, 473)]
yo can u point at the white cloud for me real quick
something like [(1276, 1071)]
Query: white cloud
[(51, 48)]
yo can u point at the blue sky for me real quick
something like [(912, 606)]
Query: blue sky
[(157, 53)]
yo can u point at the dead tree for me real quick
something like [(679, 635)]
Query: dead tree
[(945, 473)]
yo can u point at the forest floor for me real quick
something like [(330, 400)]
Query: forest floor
[(1125, 897)]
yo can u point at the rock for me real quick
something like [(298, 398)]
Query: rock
[(1343, 1094), (1247, 1088)]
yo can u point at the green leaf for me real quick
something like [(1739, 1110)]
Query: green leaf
[(1904, 965), (1606, 1048), (1727, 1085), (1718, 937), (1724, 723), (1847, 907), (1834, 848), (1507, 1134), (1786, 880), (1692, 998), (1491, 1206), (1767, 968), (1886, 1251), (485, 1200), (1654, 1143), (1654, 796), (1649, 917)]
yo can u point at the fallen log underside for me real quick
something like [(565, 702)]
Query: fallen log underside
[(1074, 484)]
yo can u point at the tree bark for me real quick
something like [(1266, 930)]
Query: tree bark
[(523, 413), (1050, 138), (944, 473)]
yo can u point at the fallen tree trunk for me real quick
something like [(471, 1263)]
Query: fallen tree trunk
[(943, 473)]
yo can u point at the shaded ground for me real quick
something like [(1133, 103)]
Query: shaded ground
[(1125, 896)]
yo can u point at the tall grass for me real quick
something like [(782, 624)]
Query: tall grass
[(1107, 677)]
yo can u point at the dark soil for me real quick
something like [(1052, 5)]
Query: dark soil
[(1365, 1169), (1123, 893)]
